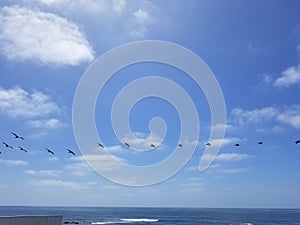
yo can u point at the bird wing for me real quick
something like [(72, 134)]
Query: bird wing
[(70, 151), (14, 134)]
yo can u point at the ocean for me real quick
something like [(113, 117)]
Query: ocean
[(162, 216)]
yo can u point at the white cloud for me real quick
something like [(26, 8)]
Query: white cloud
[(138, 28), (14, 162), (289, 115), (17, 102), (119, 5), (46, 123), (267, 79), (142, 141), (231, 157), (193, 168), (56, 183), (220, 127), (114, 148), (227, 170), (47, 2), (141, 16), (35, 106), (88, 6), (290, 76), (43, 172), (232, 170), (29, 34), (225, 157), (245, 117), (192, 185), (79, 167), (53, 158), (224, 141), (117, 21)]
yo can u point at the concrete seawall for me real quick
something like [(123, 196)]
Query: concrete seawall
[(30, 220)]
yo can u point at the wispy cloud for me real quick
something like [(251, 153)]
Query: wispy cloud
[(141, 16), (114, 148), (119, 5), (289, 77), (139, 27), (219, 168), (192, 184), (232, 170), (289, 115), (226, 157), (43, 172), (57, 183), (245, 117), (231, 157), (143, 141), (18, 103), (79, 167), (224, 141), (51, 123), (126, 20), (13, 162), (220, 127), (23, 37), (53, 158), (223, 162), (87, 6)]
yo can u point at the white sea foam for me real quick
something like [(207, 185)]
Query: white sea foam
[(126, 220), (107, 222), (140, 220), (102, 223)]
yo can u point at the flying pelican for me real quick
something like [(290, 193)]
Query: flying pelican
[(152, 145), (7, 145), (126, 144), (298, 141), (70, 151), (49, 151), (17, 136), (260, 142), (101, 145), (22, 149), (180, 145)]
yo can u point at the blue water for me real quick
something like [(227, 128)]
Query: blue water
[(165, 216)]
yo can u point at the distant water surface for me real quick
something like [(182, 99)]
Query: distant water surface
[(165, 216)]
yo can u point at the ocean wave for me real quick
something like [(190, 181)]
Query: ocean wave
[(103, 223), (125, 220), (140, 220)]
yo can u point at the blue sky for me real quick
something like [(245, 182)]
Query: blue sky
[(252, 47)]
